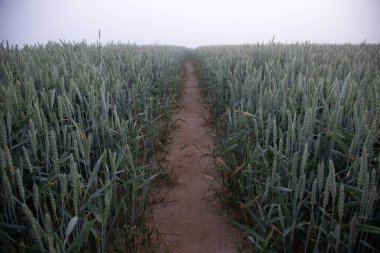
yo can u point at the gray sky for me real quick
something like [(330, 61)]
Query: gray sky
[(190, 23)]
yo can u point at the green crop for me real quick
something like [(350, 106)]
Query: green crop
[(79, 129), (299, 129)]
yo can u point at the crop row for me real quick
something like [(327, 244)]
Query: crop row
[(79, 129), (299, 130)]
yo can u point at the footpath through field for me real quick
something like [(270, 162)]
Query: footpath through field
[(189, 218)]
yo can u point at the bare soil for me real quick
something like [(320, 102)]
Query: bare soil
[(189, 218)]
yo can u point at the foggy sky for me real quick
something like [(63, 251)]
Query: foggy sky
[(190, 23)]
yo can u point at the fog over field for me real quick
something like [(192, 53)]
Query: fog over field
[(190, 23)]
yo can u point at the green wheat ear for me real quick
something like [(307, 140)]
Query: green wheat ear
[(20, 185), (3, 132)]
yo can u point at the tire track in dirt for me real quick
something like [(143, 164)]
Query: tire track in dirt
[(190, 219)]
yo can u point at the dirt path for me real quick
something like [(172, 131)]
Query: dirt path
[(190, 219)]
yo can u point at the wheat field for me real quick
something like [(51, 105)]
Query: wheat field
[(83, 128)]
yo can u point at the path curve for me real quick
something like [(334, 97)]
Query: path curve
[(190, 219)]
